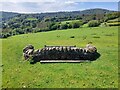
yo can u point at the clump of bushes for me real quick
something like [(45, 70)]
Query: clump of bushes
[(109, 34), (96, 37), (5, 35), (93, 23), (58, 36), (64, 26), (76, 25), (72, 36)]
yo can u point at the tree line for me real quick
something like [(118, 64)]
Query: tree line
[(23, 24)]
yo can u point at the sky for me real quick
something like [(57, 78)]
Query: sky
[(42, 6)]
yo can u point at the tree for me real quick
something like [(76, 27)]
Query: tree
[(5, 35), (64, 26), (53, 19), (76, 24), (33, 25), (78, 17), (47, 19), (50, 26), (70, 25), (54, 27), (111, 16), (93, 23), (3, 26)]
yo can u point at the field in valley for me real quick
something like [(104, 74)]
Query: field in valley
[(101, 73)]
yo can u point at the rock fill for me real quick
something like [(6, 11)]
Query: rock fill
[(61, 53)]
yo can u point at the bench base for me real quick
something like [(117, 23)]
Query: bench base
[(58, 61)]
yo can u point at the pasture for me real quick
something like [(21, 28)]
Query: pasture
[(102, 73), (69, 21)]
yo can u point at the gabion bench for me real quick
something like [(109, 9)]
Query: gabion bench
[(61, 53)]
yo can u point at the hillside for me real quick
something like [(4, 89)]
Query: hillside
[(15, 24), (8, 15), (96, 11), (18, 73)]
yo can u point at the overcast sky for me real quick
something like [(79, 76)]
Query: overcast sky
[(38, 6)]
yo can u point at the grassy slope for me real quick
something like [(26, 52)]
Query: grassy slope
[(31, 19), (63, 22), (100, 73)]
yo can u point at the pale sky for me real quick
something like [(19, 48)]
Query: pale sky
[(38, 6)]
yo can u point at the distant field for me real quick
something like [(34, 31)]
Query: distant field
[(69, 21), (31, 19), (101, 73), (113, 20)]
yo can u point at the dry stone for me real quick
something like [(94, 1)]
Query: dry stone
[(60, 52)]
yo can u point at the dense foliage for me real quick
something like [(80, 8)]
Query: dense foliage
[(93, 23)]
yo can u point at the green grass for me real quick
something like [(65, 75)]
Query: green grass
[(113, 24), (85, 25), (69, 21), (102, 73), (113, 20)]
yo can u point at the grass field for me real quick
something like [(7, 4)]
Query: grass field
[(69, 21), (31, 19), (102, 73)]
